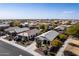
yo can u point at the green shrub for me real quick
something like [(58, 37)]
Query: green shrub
[(56, 43), (62, 36)]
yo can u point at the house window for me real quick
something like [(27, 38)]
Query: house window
[(44, 42)]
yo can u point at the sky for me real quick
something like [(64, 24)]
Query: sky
[(39, 11)]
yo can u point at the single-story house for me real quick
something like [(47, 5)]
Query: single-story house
[(20, 30), (16, 30), (30, 34), (74, 22), (8, 30), (46, 38), (25, 24), (65, 22), (4, 26), (11, 28), (71, 50), (61, 28)]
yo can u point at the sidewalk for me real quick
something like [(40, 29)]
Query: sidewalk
[(30, 49)]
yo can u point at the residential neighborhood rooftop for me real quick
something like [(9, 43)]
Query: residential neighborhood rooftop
[(73, 49), (18, 30), (29, 32), (50, 35), (4, 25), (11, 28)]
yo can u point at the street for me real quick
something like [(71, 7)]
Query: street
[(9, 50)]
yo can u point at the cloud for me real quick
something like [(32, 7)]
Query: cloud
[(68, 11)]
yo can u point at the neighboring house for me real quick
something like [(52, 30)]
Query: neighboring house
[(16, 29), (65, 22), (8, 30), (20, 30), (61, 28), (72, 49), (33, 25), (46, 38), (5, 22), (11, 28), (30, 34), (3, 26), (25, 24), (74, 22), (50, 27)]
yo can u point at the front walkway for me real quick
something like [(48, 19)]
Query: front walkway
[(30, 48)]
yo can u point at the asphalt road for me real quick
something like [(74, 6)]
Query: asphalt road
[(9, 50)]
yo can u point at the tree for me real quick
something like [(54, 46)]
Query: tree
[(73, 30), (15, 23), (38, 43), (53, 24), (44, 27), (76, 26)]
